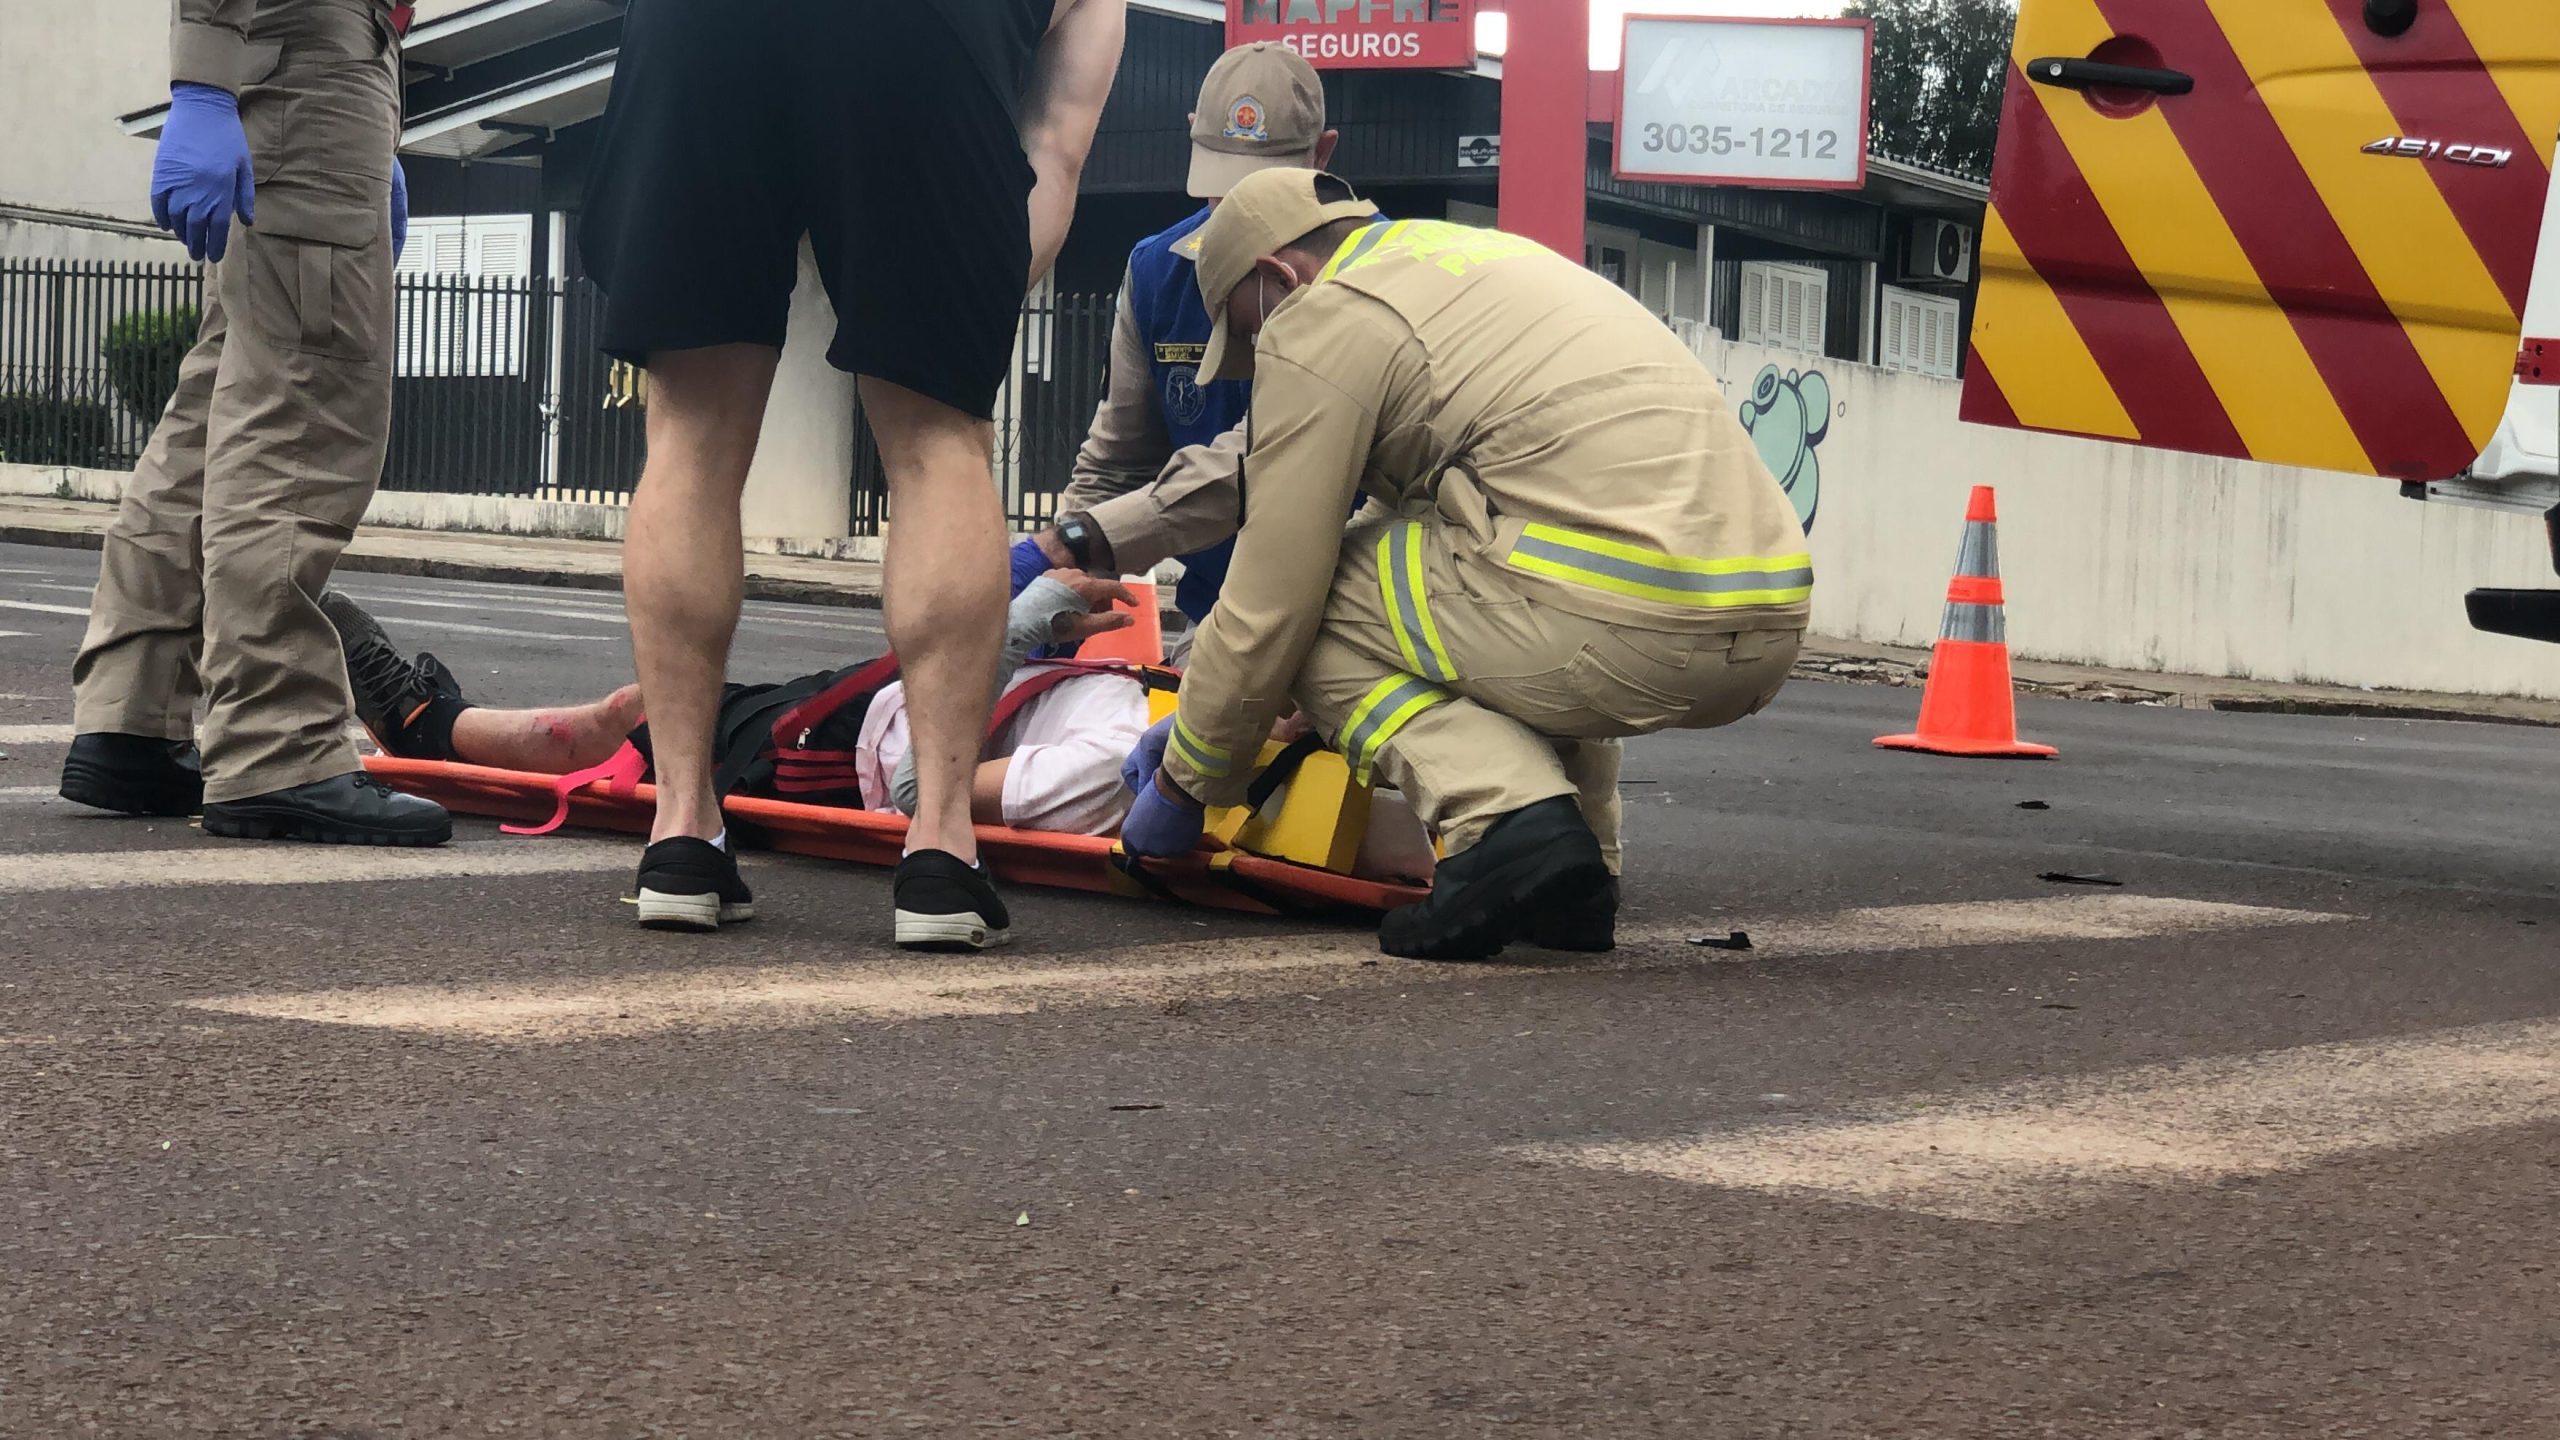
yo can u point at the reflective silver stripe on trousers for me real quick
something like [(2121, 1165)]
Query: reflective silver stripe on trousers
[(1984, 623), (1980, 557), (1639, 573), (1364, 737)]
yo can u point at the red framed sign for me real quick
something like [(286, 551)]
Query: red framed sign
[(1774, 104), (1362, 34)]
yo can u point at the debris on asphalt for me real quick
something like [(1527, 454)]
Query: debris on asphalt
[(1141, 1105), (1738, 940), (2056, 1005), (2066, 877), (2034, 805), (1022, 1219)]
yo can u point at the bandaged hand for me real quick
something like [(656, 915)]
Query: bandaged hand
[(1097, 617)]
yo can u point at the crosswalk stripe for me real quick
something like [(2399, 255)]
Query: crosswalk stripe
[(25, 794), (35, 734), (579, 1008), (270, 864), (41, 608), (2046, 1148)]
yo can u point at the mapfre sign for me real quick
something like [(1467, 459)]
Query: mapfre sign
[(1362, 34)]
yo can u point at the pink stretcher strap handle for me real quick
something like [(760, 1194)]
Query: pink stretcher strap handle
[(619, 775)]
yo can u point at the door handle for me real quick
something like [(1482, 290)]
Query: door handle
[(2096, 75)]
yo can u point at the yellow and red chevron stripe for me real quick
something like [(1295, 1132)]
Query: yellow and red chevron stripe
[(2228, 271)]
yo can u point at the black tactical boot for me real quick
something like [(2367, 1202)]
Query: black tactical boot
[(1536, 859), (352, 809), (133, 774), (1590, 927)]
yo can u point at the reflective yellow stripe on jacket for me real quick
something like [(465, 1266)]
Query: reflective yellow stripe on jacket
[(1211, 762), (1727, 583)]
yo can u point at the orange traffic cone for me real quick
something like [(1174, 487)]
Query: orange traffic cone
[(1139, 644), (1968, 708)]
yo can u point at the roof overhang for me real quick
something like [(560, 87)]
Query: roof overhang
[(486, 126)]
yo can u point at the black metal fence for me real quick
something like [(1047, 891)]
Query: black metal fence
[(1061, 365), (498, 387)]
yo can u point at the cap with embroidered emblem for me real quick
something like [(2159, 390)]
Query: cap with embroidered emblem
[(1261, 108)]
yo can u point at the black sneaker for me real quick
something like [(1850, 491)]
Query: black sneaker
[(133, 774), (946, 904), (406, 705), (1589, 926), (351, 809), (1538, 859), (690, 884)]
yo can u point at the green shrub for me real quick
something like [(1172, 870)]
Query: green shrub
[(36, 430), (143, 351)]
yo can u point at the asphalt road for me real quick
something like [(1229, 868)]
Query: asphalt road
[(2261, 1142)]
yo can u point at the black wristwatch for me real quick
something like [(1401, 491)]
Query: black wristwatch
[(1076, 533)]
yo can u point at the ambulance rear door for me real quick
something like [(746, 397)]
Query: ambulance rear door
[(2297, 231)]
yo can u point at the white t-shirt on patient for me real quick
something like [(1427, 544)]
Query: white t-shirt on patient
[(1067, 744)]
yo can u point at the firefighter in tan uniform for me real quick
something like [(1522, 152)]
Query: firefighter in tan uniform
[(284, 113), (1580, 543)]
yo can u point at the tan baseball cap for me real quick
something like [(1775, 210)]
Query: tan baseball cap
[(1259, 217), (1261, 107)]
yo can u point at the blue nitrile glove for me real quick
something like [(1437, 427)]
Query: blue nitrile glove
[(1160, 826), (1139, 770), (1030, 562), (202, 175), (399, 210)]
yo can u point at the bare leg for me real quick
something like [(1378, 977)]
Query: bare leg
[(682, 567), (943, 591), (547, 742)]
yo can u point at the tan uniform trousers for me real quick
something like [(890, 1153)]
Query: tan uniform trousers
[(259, 472), (1480, 700)]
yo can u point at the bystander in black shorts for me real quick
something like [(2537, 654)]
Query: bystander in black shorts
[(887, 131)]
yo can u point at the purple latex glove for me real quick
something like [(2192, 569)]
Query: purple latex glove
[(1160, 825), (202, 175), (399, 209), (1139, 770), (1030, 562)]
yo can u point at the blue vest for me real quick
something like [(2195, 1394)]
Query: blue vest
[(1164, 296)]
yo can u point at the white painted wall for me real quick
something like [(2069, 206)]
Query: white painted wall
[(801, 485), (68, 68), (2148, 560)]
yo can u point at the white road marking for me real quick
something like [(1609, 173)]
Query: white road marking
[(2036, 1150), (35, 734), (578, 1008), (15, 634), (244, 863), (27, 794), (43, 609), (1997, 922), (601, 614)]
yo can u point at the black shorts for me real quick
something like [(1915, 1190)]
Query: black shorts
[(881, 131)]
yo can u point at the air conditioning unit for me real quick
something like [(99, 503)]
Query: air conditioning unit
[(1940, 250)]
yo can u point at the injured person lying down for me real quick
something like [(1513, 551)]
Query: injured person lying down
[(1052, 759)]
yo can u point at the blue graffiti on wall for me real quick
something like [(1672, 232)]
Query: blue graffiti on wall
[(1788, 413)]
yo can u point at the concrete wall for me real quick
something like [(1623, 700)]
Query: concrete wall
[(43, 240), (2137, 559), (68, 68)]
